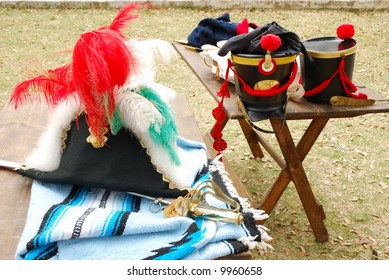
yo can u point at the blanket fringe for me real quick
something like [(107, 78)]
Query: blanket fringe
[(218, 165), (252, 244), (250, 241)]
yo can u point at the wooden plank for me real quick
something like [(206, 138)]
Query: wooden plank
[(19, 130)]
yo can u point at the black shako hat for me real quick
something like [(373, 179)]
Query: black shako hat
[(248, 47)]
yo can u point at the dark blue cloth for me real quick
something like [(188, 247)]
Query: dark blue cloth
[(211, 31)]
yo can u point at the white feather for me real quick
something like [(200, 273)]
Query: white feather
[(165, 93), (138, 112), (148, 53)]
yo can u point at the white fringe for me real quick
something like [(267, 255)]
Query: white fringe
[(258, 214), (250, 242), (217, 165)]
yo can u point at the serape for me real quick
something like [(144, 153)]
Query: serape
[(68, 222)]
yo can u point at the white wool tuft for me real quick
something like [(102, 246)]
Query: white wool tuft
[(46, 156)]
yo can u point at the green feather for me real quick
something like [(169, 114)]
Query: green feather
[(116, 122), (164, 134)]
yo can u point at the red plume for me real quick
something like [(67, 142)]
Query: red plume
[(101, 62), (55, 84), (124, 15)]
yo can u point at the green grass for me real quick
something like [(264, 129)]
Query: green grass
[(348, 166)]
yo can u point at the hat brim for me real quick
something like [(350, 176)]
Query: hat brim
[(256, 114), (122, 165)]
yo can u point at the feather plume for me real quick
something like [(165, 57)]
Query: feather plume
[(165, 133), (124, 15), (149, 117), (101, 62), (55, 84), (137, 111), (149, 53)]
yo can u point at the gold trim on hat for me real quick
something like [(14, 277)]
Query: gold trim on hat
[(65, 137), (341, 53), (172, 185), (254, 61)]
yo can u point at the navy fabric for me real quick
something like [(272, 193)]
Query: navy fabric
[(211, 31)]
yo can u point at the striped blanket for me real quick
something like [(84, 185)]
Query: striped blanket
[(68, 222)]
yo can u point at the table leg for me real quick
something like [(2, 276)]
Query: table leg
[(251, 138), (272, 152), (294, 171), (249, 133)]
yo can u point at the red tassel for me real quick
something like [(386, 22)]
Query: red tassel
[(224, 91), (219, 144), (347, 84)]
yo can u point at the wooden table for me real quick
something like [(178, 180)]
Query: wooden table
[(19, 131), (293, 155)]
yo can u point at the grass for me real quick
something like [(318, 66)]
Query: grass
[(347, 167)]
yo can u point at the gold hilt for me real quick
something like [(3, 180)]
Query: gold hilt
[(349, 101), (194, 204)]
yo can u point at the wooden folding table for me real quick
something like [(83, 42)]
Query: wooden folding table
[(293, 155)]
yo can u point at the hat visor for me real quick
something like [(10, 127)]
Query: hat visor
[(258, 114)]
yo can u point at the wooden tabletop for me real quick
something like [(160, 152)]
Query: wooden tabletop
[(294, 110)]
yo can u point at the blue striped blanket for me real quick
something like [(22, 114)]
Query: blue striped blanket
[(75, 223)]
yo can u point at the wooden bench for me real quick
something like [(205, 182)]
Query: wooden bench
[(19, 130)]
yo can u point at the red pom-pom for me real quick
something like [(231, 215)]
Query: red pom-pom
[(270, 42), (345, 31)]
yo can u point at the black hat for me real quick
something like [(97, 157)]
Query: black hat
[(122, 164), (250, 43), (262, 92)]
